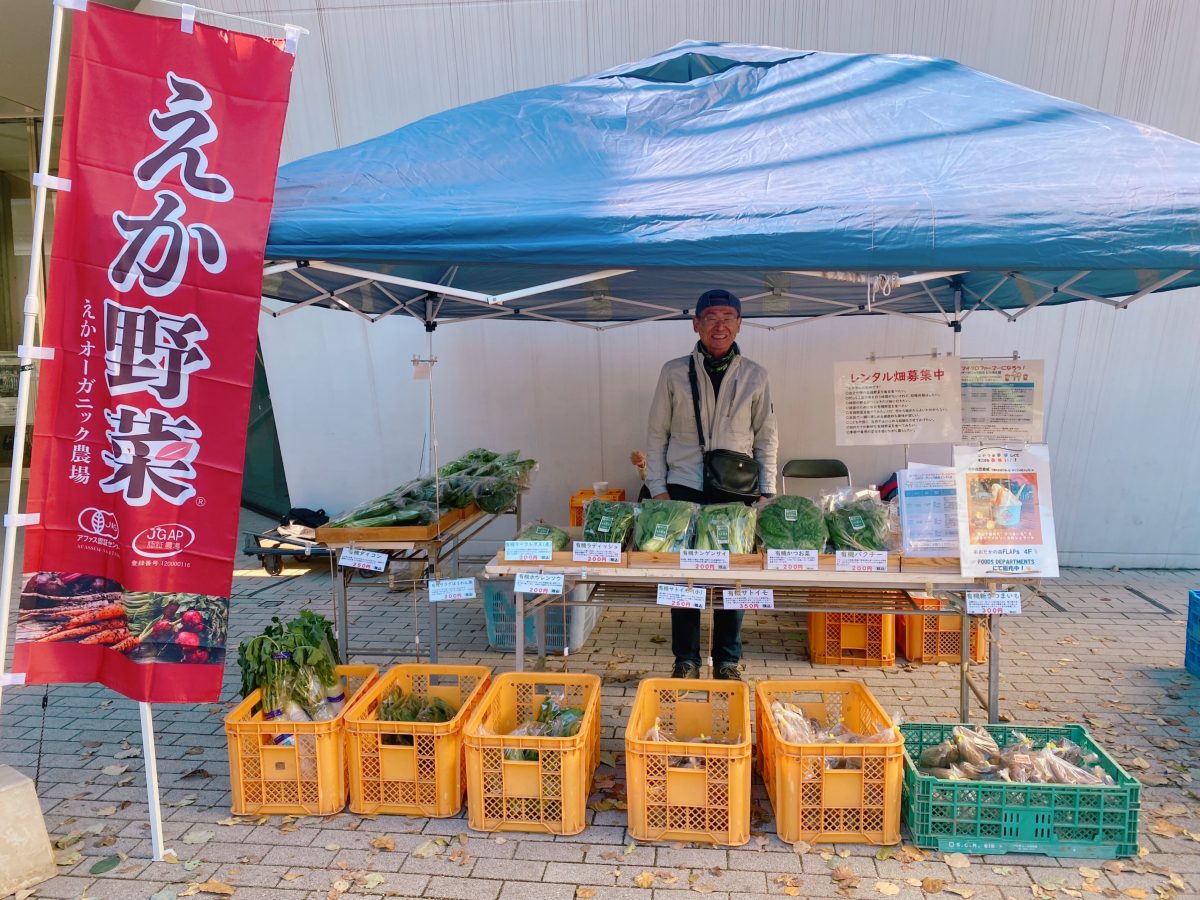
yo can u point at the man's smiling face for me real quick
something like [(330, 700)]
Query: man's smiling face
[(718, 328)]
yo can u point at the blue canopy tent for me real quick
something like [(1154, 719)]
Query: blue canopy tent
[(811, 184)]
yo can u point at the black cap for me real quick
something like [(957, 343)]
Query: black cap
[(718, 298)]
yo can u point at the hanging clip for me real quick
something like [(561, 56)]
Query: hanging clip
[(51, 182), (291, 37), (19, 520), (28, 354), (187, 18)]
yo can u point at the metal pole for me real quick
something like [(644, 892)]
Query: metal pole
[(519, 632), (28, 333), (156, 837), (993, 627), (964, 688)]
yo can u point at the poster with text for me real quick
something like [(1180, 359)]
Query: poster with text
[(928, 510), (1005, 513), (170, 143), (899, 401), (1002, 400)]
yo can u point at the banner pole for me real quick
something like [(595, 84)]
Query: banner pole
[(28, 333), (156, 838)]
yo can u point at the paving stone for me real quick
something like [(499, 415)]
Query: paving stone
[(462, 888)]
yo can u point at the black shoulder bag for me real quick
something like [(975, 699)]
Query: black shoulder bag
[(729, 476)]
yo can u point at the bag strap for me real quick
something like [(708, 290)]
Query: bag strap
[(696, 399)]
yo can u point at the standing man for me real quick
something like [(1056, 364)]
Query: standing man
[(735, 414)]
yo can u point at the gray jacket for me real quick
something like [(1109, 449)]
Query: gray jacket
[(741, 418)]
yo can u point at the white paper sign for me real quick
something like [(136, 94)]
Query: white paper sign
[(1005, 517), (534, 551), (928, 510), (749, 598), (1002, 400), (371, 560), (452, 589), (709, 560), (898, 401), (994, 603), (861, 560), (792, 560), (595, 552), (538, 583), (681, 596)]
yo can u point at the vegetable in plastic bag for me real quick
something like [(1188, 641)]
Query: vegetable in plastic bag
[(664, 526), (607, 521), (540, 531), (726, 526), (496, 495), (857, 520), (792, 523)]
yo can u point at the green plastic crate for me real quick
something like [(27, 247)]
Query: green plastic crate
[(1002, 817)]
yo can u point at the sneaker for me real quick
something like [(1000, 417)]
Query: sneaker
[(685, 669), (729, 671)]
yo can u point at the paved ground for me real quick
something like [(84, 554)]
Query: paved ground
[(1105, 648)]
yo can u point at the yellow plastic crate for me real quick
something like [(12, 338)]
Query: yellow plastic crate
[(852, 639), (412, 768), (934, 639), (690, 790), (306, 778), (548, 794), (830, 792)]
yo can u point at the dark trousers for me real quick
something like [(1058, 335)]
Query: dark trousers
[(685, 623)]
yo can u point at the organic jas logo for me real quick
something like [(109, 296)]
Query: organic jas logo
[(160, 541), (99, 522)]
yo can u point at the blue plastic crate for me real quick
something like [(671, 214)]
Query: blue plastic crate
[(500, 608), (1191, 652)]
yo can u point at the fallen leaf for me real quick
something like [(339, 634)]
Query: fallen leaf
[(845, 876), (801, 847), (170, 857), (191, 865), (217, 887), (114, 770), (884, 853), (1167, 829), (956, 860), (1090, 873), (107, 841), (666, 877), (701, 888), (887, 888), (106, 811), (792, 891), (68, 858), (913, 882), (427, 850), (383, 842), (463, 837), (197, 837), (645, 879), (1135, 893), (607, 758), (195, 773), (231, 820), (104, 865), (292, 876), (91, 745), (658, 639), (128, 753), (1138, 763), (932, 885), (1171, 809), (585, 893), (373, 880), (501, 840), (194, 751), (965, 892)]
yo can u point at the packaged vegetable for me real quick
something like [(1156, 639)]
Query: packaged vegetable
[(857, 520), (540, 531), (792, 523), (607, 521), (726, 526), (664, 526), (496, 495), (399, 706)]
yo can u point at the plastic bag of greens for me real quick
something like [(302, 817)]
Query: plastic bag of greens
[(607, 521), (726, 526), (664, 526), (495, 495), (540, 531), (857, 520), (467, 461), (792, 523)]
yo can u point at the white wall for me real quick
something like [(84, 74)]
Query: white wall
[(1122, 404)]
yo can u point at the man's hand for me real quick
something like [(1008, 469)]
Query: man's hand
[(663, 496)]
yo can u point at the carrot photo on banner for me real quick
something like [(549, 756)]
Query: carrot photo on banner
[(170, 146)]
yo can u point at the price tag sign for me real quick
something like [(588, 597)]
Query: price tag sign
[(681, 596), (994, 603), (371, 560), (595, 552), (708, 560), (452, 589), (750, 598), (792, 560), (535, 583), (528, 551), (861, 561)]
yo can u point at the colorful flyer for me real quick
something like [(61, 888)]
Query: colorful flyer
[(1002, 400), (928, 510)]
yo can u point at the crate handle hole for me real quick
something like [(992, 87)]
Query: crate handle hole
[(280, 766)]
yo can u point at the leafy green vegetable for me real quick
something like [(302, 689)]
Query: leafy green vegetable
[(857, 520), (540, 531), (726, 526), (496, 495), (607, 521), (792, 523), (467, 461), (663, 526), (398, 706)]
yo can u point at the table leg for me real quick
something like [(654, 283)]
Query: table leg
[(433, 621), (340, 613), (993, 626), (539, 630), (964, 687), (519, 631)]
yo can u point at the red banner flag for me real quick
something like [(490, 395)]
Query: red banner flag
[(170, 143)]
